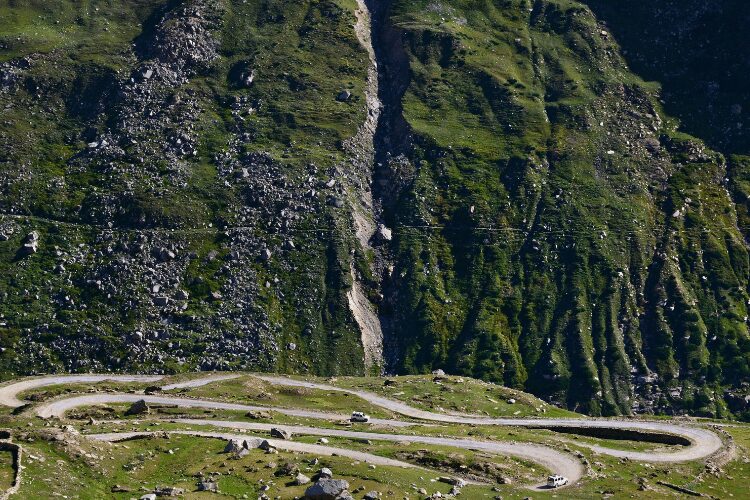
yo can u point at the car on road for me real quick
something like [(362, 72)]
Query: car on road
[(556, 481), (358, 416)]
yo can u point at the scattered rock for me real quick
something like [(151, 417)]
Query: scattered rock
[(383, 234), (258, 415), (453, 481), (280, 433), (327, 489), (138, 408), (208, 485), (325, 473), (301, 479), (266, 446), (233, 446), (168, 491), (31, 244), (161, 301)]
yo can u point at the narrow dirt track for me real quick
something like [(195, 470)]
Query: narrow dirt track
[(58, 407)]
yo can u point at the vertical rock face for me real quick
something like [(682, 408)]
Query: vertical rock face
[(496, 190)]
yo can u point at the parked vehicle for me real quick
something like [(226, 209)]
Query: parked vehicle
[(556, 481), (358, 416)]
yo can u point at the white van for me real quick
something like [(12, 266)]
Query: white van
[(556, 481), (358, 416)]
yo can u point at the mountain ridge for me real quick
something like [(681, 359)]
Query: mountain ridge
[(515, 206)]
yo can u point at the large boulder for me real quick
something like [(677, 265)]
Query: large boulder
[(233, 446), (383, 234), (31, 243), (281, 433), (327, 489), (138, 408)]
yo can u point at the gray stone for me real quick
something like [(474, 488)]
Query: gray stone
[(208, 485), (327, 489), (233, 446), (336, 202), (455, 481), (281, 433), (168, 491), (161, 301), (301, 479), (383, 234), (325, 473), (31, 243), (344, 96), (138, 408)]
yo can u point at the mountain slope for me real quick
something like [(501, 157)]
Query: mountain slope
[(490, 187), (559, 233), (179, 185)]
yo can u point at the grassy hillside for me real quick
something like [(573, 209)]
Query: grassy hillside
[(560, 233)]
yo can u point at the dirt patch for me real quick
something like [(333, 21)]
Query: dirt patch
[(362, 150)]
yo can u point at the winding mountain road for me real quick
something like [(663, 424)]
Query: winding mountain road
[(704, 443), (9, 392)]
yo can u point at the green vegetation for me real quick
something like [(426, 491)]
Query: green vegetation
[(576, 238), (71, 463), (190, 170)]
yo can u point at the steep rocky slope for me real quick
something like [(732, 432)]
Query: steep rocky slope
[(501, 189), (184, 167)]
